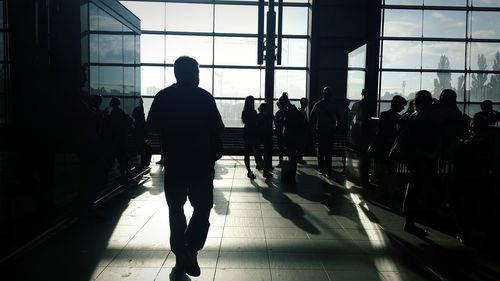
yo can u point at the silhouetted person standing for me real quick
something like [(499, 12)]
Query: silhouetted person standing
[(120, 127), (487, 113), (324, 119), (190, 128), (250, 135), (387, 129), (304, 102), (423, 134), (141, 133), (265, 130), (279, 121)]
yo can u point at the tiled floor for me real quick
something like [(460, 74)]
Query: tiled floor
[(323, 230)]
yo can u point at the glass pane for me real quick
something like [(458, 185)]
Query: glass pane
[(461, 3), (357, 58), (230, 111), (294, 52), (437, 82), (404, 23), (236, 19), (486, 3), (129, 76), (485, 25), (355, 83), (128, 105), (93, 17), (401, 54), (137, 49), (189, 17), (451, 24), (108, 23), (152, 48), (94, 48), (405, 84), (482, 86), (236, 82), (94, 80), (235, 51), (128, 49), (152, 80), (147, 104), (295, 20), (3, 77), (1, 14), (291, 81), (152, 14), (197, 47), (138, 81), (404, 2), (443, 55), (484, 56), (110, 48), (111, 80)]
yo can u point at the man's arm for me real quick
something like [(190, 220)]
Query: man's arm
[(154, 120)]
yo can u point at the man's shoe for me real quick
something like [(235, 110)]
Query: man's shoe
[(267, 175), (192, 267), (251, 176), (415, 230), (180, 265), (259, 168)]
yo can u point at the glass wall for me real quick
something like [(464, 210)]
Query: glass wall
[(436, 44), (222, 37), (5, 101), (113, 58)]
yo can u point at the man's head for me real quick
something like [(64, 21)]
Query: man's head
[(186, 71), (448, 98), (141, 102), (398, 103), (327, 93), (423, 99), (114, 102), (487, 105), (303, 102)]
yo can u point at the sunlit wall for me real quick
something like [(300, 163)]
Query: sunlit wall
[(438, 44), (222, 37)]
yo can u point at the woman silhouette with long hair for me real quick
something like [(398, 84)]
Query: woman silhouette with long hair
[(250, 135)]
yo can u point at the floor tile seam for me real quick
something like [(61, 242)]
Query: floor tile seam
[(267, 246), (223, 227)]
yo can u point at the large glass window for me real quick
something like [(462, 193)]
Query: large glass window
[(222, 37), (113, 68), (459, 49)]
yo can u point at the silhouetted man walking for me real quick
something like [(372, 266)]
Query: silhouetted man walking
[(190, 128)]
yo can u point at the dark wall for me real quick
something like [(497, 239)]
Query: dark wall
[(338, 27), (39, 153)]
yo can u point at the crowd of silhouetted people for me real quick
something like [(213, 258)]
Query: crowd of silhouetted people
[(449, 155)]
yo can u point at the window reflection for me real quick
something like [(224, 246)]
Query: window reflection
[(355, 84), (128, 49), (108, 23), (485, 3), (111, 80), (461, 3), (110, 48), (404, 2)]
